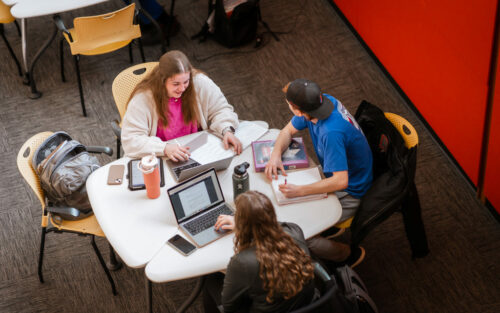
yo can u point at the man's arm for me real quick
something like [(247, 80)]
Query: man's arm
[(282, 142), (338, 181)]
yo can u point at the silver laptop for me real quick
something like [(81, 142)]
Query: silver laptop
[(184, 170), (197, 203)]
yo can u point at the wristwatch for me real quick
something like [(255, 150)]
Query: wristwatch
[(228, 129)]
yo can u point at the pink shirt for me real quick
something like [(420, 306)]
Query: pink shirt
[(176, 126)]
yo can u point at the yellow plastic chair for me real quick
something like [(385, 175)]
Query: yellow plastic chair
[(123, 85), (410, 137), (51, 223), (100, 34), (7, 18)]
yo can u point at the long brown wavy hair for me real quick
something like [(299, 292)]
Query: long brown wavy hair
[(171, 63), (284, 267)]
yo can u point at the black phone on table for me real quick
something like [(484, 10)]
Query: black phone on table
[(180, 244)]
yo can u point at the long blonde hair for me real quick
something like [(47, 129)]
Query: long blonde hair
[(284, 267), (171, 63)]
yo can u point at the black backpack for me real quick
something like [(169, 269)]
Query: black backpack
[(63, 165), (238, 29)]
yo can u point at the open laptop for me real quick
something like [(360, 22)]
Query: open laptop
[(197, 203), (184, 170)]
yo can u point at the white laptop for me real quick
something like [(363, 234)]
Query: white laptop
[(184, 170), (197, 203)]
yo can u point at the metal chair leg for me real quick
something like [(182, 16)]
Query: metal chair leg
[(40, 256), (141, 50), (2, 33), (194, 294), (130, 53), (113, 263), (61, 59), (103, 264), (18, 28), (118, 146), (82, 100)]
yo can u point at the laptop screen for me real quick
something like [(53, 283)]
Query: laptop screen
[(195, 195)]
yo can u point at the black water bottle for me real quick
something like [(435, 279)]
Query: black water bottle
[(241, 182)]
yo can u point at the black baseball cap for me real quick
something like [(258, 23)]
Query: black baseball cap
[(306, 96)]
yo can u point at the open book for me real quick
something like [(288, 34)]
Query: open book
[(213, 149), (303, 177)]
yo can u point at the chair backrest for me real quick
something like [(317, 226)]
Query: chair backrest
[(326, 286), (92, 32), (404, 127), (5, 16), (125, 82), (24, 164)]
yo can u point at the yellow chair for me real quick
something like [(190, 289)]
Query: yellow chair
[(6, 18), (100, 34), (51, 223), (410, 137), (123, 85)]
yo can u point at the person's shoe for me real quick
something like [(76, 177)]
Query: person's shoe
[(332, 232)]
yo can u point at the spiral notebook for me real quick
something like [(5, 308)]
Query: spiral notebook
[(302, 177)]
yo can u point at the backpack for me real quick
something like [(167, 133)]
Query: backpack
[(234, 28), (349, 293), (63, 165)]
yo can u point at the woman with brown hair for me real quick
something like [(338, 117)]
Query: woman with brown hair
[(271, 270), (174, 100)]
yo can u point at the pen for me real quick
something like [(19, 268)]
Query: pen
[(285, 181)]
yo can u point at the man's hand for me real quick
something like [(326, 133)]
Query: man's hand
[(176, 153), (224, 222), (230, 139), (291, 190), (273, 165)]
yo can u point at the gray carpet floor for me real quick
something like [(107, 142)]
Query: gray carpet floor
[(459, 275)]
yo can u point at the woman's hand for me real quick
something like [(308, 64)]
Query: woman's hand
[(291, 190), (224, 222), (176, 152), (230, 139)]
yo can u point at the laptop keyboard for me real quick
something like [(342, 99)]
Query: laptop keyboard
[(207, 220), (181, 168)]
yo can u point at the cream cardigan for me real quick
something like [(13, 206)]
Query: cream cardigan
[(141, 121)]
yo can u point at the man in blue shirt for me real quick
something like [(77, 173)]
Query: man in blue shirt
[(342, 150)]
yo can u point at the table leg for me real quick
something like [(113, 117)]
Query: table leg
[(149, 294), (26, 79), (113, 263), (35, 94)]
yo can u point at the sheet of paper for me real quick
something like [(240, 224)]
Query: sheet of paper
[(303, 177), (213, 150), (248, 131)]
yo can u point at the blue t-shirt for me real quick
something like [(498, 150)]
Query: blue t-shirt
[(341, 146)]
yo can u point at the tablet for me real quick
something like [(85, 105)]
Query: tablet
[(135, 178)]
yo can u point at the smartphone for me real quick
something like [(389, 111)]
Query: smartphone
[(115, 174), (182, 245)]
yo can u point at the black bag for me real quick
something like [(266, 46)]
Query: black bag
[(238, 29), (63, 165)]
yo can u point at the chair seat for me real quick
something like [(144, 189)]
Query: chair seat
[(96, 51), (88, 225), (345, 224)]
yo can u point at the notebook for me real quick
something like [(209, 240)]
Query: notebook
[(302, 177), (197, 203)]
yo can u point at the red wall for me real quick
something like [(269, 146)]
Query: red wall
[(438, 52)]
